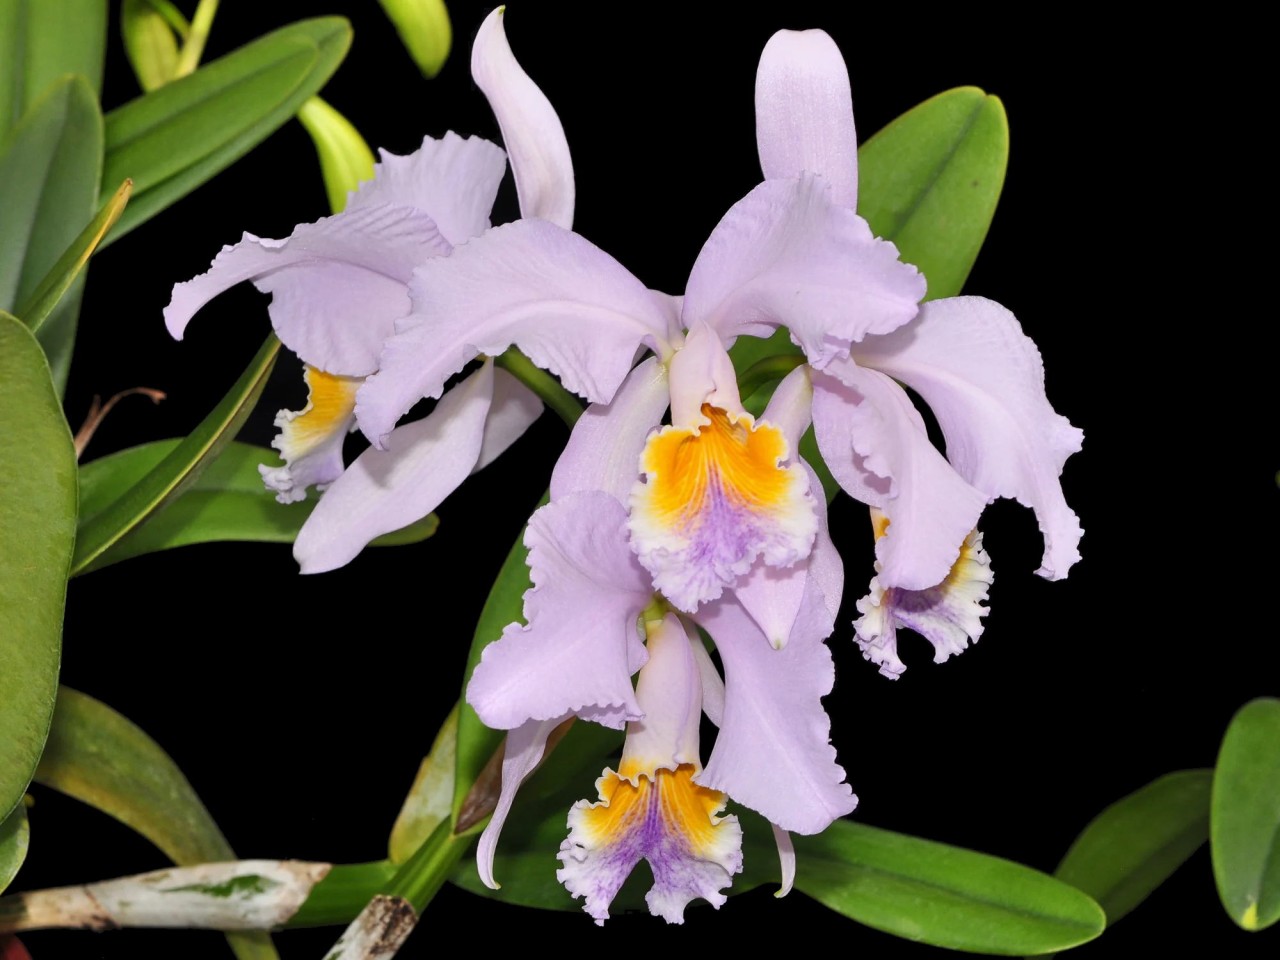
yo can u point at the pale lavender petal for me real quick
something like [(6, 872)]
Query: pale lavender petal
[(530, 127), (701, 374), (310, 440), (876, 446), (381, 491), (774, 752), (570, 307), (786, 859), (804, 112), (789, 408), (712, 685), (786, 255), (512, 412), (984, 380), (582, 636), (453, 180), (523, 751), (669, 692), (337, 285), (603, 452)]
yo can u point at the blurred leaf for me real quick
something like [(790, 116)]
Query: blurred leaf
[(180, 468), (50, 165), (101, 758), (1135, 844), (151, 41), (1244, 823), (930, 181), (424, 30), (173, 139), (227, 501), (37, 533), (15, 834), (430, 799), (40, 41), (942, 895), (345, 159), (37, 307)]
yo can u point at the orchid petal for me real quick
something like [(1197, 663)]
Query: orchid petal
[(804, 112), (774, 752), (570, 308), (582, 638), (523, 752), (310, 440), (603, 452), (712, 684), (786, 859), (669, 692), (514, 409), (702, 373), (531, 130), (876, 446), (386, 490), (453, 180), (984, 380), (786, 255), (338, 285)]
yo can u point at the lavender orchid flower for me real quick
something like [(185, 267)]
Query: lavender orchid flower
[(340, 285)]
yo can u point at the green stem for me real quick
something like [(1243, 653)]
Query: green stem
[(343, 893), (193, 47), (423, 874), (547, 387), (766, 371)]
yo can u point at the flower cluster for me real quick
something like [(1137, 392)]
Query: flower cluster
[(659, 526)]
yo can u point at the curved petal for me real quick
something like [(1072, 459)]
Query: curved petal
[(702, 374), (984, 380), (530, 127), (386, 490), (310, 439), (569, 306), (338, 285), (514, 409), (790, 407), (712, 685), (603, 452), (786, 859), (804, 112), (774, 753), (523, 750), (453, 180), (876, 446), (786, 255), (669, 691), (583, 637)]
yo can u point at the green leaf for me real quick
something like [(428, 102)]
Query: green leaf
[(40, 41), (37, 533), (50, 291), (1244, 822), (345, 159), (424, 30), (150, 42), (173, 139), (1135, 844), (942, 895), (430, 799), (179, 469), (15, 834), (103, 759), (50, 165), (930, 181)]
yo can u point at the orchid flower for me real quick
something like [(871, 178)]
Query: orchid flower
[(340, 285)]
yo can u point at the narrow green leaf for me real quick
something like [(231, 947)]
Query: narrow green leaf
[(930, 181), (103, 759), (196, 37), (15, 835), (424, 30), (430, 799), (37, 534), (227, 501), (1135, 844), (180, 468), (173, 139), (1244, 822), (343, 893), (50, 291), (40, 41), (150, 42), (942, 895), (345, 159), (50, 165)]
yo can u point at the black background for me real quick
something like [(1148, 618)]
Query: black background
[(300, 707)]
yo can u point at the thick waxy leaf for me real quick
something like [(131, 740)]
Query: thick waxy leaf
[(227, 501), (946, 896), (167, 480), (37, 534), (1244, 823), (103, 759), (14, 836), (345, 159), (150, 41), (50, 166), (173, 139), (43, 40), (930, 181), (424, 30), (430, 800), (1135, 844)]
